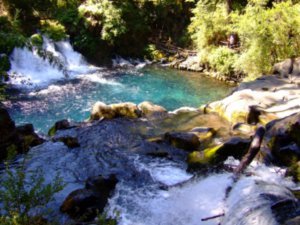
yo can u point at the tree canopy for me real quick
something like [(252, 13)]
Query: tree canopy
[(262, 32)]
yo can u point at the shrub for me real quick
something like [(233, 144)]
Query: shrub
[(55, 30), (22, 192), (268, 31), (103, 16), (36, 40), (10, 36), (268, 35), (153, 53), (222, 59)]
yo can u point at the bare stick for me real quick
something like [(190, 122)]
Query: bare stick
[(213, 217), (252, 152)]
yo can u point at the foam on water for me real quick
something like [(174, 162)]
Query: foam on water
[(186, 204), (29, 69), (200, 198)]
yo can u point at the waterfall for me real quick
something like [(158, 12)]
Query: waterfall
[(31, 67)]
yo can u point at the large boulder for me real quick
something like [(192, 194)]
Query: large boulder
[(150, 110), (282, 140), (15, 139), (236, 147), (84, 204), (260, 101), (191, 63), (288, 67), (102, 111)]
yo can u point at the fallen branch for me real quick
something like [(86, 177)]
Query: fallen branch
[(252, 152), (213, 217)]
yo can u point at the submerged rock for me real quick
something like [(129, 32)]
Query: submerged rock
[(85, 204)]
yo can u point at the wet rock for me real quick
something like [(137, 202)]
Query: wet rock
[(84, 204), (204, 134), (8, 133), (127, 109), (281, 144), (294, 221), (184, 140), (59, 125), (243, 128), (159, 154), (26, 129), (15, 139), (28, 138), (236, 147), (294, 171), (71, 142), (101, 184), (150, 110)]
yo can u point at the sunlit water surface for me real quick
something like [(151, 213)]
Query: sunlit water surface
[(73, 98)]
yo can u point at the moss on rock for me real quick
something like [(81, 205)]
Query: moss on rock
[(36, 40), (236, 147)]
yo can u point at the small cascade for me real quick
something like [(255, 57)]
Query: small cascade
[(32, 67), (28, 68), (74, 60), (200, 198)]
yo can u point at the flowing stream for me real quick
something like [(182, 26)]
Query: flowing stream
[(150, 191)]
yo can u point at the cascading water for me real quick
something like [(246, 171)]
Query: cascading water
[(29, 69), (39, 67)]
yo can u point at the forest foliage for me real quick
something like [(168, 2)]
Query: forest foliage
[(265, 31)]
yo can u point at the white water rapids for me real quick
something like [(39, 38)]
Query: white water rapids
[(28, 68)]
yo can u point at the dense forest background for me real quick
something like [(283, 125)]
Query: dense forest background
[(231, 36)]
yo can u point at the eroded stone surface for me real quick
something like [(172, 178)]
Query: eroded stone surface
[(260, 101)]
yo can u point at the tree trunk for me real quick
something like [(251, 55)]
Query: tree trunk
[(229, 6)]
